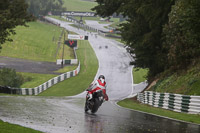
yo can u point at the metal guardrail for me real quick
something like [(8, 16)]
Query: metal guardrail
[(174, 102)]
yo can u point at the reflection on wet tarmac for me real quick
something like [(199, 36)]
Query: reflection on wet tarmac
[(110, 118), (65, 114), (93, 123)]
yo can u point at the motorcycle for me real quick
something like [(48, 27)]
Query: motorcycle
[(94, 103)]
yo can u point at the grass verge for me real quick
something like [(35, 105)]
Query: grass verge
[(79, 5), (36, 42), (12, 128), (79, 83), (67, 69), (139, 75), (186, 82), (134, 104), (35, 79)]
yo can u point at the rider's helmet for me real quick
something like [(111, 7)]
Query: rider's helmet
[(102, 78)]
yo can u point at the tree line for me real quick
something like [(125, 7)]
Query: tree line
[(163, 34), (43, 7)]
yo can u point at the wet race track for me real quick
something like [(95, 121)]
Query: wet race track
[(66, 114), (59, 115)]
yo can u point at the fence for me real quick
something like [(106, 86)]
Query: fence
[(174, 102)]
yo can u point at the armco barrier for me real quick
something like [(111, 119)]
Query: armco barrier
[(67, 62), (46, 85), (174, 102)]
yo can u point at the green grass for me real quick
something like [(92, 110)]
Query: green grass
[(68, 52), (67, 69), (36, 42), (79, 83), (139, 75), (35, 79), (132, 104), (79, 5), (6, 127), (184, 82)]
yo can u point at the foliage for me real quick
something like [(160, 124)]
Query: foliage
[(43, 7), (12, 13), (6, 127), (9, 77), (162, 34), (182, 34)]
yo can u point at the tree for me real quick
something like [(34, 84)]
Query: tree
[(12, 14), (182, 34), (143, 31), (9, 77), (42, 7)]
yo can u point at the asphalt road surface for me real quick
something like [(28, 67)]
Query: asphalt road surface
[(22, 65), (96, 25), (66, 114)]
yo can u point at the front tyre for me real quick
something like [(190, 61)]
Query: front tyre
[(95, 106), (86, 106)]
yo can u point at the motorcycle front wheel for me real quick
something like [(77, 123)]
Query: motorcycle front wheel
[(95, 106), (86, 106)]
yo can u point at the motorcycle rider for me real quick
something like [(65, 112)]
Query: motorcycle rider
[(99, 84)]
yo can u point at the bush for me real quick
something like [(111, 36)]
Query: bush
[(9, 77)]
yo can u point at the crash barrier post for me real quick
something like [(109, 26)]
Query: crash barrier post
[(175, 102)]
